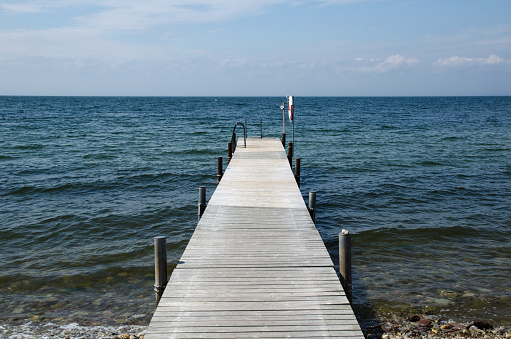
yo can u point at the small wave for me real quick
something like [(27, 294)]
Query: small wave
[(29, 147), (100, 156), (6, 157), (430, 163), (133, 179), (453, 138), (201, 151), (400, 234), (75, 187)]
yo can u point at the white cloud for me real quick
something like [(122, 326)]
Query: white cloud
[(381, 66), (22, 8), (92, 35), (135, 14), (37, 6), (234, 64), (76, 43), (457, 61)]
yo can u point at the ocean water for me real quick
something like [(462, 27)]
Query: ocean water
[(422, 183)]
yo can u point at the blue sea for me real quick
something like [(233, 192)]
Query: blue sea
[(422, 183)]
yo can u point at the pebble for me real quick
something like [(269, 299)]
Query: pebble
[(138, 316), (476, 331), (33, 330), (416, 327), (425, 322)]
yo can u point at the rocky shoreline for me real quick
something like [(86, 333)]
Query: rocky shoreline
[(417, 326), (432, 327)]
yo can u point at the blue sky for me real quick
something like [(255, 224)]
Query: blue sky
[(255, 47)]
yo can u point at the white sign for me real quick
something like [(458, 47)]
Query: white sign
[(290, 107)]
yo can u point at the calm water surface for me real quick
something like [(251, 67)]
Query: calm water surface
[(86, 183)]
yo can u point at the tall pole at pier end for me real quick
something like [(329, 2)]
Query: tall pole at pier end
[(282, 107), (291, 111)]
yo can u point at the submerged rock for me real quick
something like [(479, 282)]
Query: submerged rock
[(414, 318), (425, 322), (480, 325)]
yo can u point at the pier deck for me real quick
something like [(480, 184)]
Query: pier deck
[(256, 266)]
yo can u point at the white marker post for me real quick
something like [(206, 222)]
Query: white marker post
[(290, 109), (282, 108)]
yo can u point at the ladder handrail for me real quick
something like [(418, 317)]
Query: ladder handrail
[(233, 138)]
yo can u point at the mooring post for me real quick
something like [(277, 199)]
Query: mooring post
[(297, 171), (345, 261), (202, 200), (219, 170), (261, 126), (229, 152), (283, 125), (160, 266), (312, 205), (290, 153)]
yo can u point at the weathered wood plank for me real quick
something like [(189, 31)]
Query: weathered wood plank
[(299, 314), (247, 329), (256, 266), (249, 317), (279, 334)]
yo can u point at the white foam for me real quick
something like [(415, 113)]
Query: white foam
[(50, 330)]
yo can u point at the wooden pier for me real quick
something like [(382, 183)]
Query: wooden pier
[(256, 266)]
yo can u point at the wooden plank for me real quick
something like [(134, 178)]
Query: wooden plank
[(299, 314), (278, 334), (249, 317), (248, 329), (256, 266)]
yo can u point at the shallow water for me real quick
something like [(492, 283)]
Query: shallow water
[(87, 182)]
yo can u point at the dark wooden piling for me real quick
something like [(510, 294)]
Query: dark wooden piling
[(297, 171), (312, 205), (219, 169), (229, 152), (345, 261), (160, 266), (202, 200), (290, 153)]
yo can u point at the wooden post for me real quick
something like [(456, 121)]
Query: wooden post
[(261, 126), (219, 170), (290, 153), (297, 171), (312, 205), (345, 262), (160, 266), (284, 140), (202, 200), (229, 152)]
